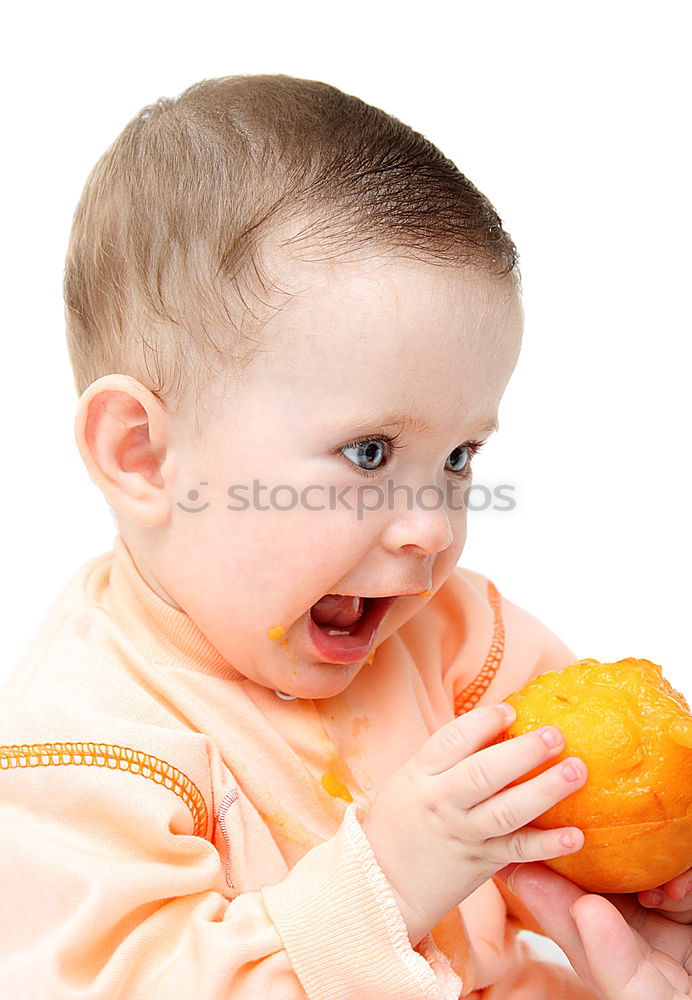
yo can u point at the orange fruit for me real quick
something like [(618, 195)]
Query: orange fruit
[(634, 733)]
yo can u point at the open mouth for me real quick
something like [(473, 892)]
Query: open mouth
[(338, 614), (345, 629)]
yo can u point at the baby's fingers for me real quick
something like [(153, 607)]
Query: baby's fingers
[(673, 900), (504, 819), (463, 736)]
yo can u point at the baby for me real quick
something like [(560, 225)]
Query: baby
[(250, 752)]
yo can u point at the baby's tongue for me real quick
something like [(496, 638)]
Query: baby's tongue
[(333, 609)]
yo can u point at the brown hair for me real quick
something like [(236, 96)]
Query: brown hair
[(168, 239)]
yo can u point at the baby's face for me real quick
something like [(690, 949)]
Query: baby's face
[(272, 510)]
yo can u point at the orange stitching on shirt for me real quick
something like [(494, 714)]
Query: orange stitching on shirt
[(117, 758), (228, 801), (473, 692)]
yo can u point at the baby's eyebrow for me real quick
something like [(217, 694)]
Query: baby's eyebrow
[(408, 424)]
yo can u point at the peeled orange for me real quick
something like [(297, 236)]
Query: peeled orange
[(634, 733)]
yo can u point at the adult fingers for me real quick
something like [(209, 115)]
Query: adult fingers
[(656, 930), (622, 969), (549, 896)]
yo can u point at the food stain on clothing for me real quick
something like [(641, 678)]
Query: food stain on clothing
[(335, 788), (291, 837)]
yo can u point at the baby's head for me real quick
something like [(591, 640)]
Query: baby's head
[(291, 321)]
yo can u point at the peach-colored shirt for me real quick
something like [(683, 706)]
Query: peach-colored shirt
[(170, 830)]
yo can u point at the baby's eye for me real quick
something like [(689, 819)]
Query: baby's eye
[(462, 456), (369, 453), (458, 459)]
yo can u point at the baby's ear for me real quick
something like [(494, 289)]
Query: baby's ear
[(121, 431)]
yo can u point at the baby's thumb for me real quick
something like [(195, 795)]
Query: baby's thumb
[(462, 737)]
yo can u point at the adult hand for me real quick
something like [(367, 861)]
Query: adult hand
[(621, 950)]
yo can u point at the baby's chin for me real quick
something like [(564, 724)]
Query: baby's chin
[(307, 677), (291, 665), (318, 682)]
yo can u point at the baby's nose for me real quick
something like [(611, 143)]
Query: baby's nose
[(425, 531)]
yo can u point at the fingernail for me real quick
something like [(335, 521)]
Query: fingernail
[(510, 873), (508, 712), (655, 898), (569, 772), (551, 737), (506, 873)]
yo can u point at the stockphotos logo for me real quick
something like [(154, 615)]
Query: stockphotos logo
[(363, 499)]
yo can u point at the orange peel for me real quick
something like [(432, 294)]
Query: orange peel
[(633, 731)]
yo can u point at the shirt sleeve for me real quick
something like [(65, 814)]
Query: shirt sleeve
[(112, 890)]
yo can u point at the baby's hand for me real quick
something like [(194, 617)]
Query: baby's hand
[(672, 900), (445, 822)]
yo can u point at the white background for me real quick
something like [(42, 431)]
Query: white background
[(572, 118)]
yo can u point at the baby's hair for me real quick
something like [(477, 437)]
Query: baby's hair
[(171, 238)]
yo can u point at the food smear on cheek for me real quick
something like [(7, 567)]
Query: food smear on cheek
[(371, 656), (275, 632)]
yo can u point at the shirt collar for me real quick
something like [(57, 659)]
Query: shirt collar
[(163, 633)]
